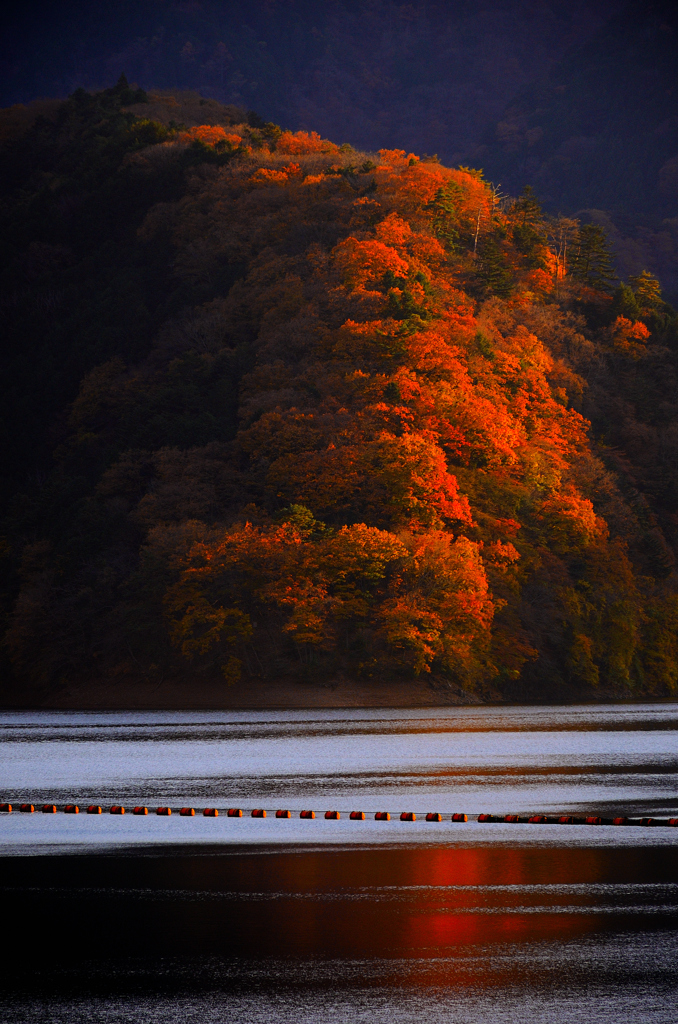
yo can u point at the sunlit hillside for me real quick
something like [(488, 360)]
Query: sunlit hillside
[(278, 408)]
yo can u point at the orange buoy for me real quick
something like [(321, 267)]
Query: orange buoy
[(459, 817), (647, 821), (259, 812), (620, 821), (234, 812), (408, 816), (71, 809), (283, 814), (187, 812), (673, 821), (27, 808), (434, 816), (332, 815), (7, 808), (210, 812), (494, 818), (382, 816), (49, 808), (165, 811), (357, 816), (117, 809), (594, 820), (94, 809), (512, 818), (307, 814), (538, 819), (140, 810)]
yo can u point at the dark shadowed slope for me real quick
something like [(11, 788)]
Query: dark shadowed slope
[(428, 76), (600, 132)]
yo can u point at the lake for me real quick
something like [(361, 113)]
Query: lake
[(131, 918)]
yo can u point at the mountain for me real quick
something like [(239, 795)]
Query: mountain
[(427, 76), (277, 408), (599, 134)]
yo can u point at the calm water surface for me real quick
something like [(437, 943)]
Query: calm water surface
[(240, 920)]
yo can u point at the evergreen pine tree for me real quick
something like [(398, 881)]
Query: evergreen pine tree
[(445, 220), (591, 261), (528, 229), (624, 304), (657, 314), (527, 208), (647, 291), (494, 271)]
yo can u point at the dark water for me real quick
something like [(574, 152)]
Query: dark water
[(289, 921)]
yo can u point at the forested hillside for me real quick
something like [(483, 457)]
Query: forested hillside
[(277, 408)]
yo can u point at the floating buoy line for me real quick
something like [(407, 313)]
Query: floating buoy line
[(260, 812)]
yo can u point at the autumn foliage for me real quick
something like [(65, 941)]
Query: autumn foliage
[(356, 445), (303, 143), (210, 135)]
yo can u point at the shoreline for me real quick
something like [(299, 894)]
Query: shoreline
[(214, 695)]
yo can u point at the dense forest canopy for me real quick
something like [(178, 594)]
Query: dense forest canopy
[(274, 407)]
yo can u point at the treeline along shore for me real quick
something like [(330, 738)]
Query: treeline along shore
[(288, 423)]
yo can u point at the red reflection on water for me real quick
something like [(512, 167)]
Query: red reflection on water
[(440, 932), (433, 905), (463, 910), (503, 866), (417, 901)]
